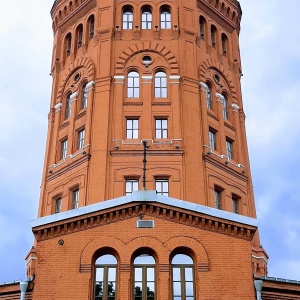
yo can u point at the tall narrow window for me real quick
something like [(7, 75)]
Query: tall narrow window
[(132, 128), (63, 149), (224, 44), (213, 34), (229, 148), (162, 187), (91, 26), (208, 97), (127, 18), (160, 85), (68, 107), (133, 86), (225, 108), (79, 36), (183, 287), (84, 96), (106, 277), (212, 140), (144, 278), (235, 204), (165, 18), (80, 143), (146, 18), (68, 44), (161, 128), (202, 24), (75, 198), (131, 185), (58, 205), (217, 194)]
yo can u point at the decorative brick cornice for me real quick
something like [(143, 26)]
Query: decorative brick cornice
[(132, 210)]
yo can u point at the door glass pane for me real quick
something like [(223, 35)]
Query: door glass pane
[(150, 289), (111, 288), (189, 288), (99, 274), (138, 274), (176, 274), (99, 290), (150, 274), (177, 288), (112, 274), (188, 274), (138, 289)]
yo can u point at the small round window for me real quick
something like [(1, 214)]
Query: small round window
[(147, 60), (217, 78), (76, 77)]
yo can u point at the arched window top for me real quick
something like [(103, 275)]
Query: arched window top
[(127, 17), (182, 259), (160, 84), (202, 24), (91, 26), (144, 259), (79, 32), (165, 17), (106, 259), (146, 17), (133, 85)]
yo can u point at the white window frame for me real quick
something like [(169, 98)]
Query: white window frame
[(160, 85), (58, 203), (75, 198), (162, 187), (161, 128), (63, 148), (132, 128), (133, 85), (165, 18), (212, 140), (229, 149), (81, 135), (146, 18), (131, 185), (127, 18), (218, 198)]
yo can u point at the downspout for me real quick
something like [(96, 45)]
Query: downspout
[(258, 286), (23, 288)]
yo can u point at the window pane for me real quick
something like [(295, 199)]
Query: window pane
[(138, 273), (144, 259), (177, 288), (99, 274), (176, 274), (138, 289), (188, 274), (98, 290), (150, 274), (150, 289), (111, 274), (106, 259), (111, 289), (189, 288), (182, 259)]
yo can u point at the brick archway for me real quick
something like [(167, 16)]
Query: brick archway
[(79, 63), (151, 47), (213, 64), (193, 244)]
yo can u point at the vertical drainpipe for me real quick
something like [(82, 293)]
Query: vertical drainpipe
[(258, 286), (23, 288)]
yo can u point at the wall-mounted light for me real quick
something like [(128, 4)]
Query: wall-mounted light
[(61, 242), (116, 147)]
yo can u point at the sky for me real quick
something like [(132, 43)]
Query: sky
[(270, 43)]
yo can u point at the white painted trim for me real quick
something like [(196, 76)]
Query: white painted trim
[(260, 257), (73, 97), (57, 107)]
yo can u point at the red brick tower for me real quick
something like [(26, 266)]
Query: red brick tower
[(146, 191)]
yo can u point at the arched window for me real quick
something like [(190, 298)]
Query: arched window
[(68, 44), (165, 18), (208, 96), (105, 277), (84, 96), (133, 85), (183, 287), (146, 18), (91, 26), (79, 33), (225, 108), (213, 34), (68, 107), (127, 17), (144, 278), (224, 44), (202, 24), (160, 85)]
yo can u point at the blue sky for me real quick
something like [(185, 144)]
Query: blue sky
[(270, 44)]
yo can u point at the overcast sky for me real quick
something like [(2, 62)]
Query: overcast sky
[(270, 43)]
